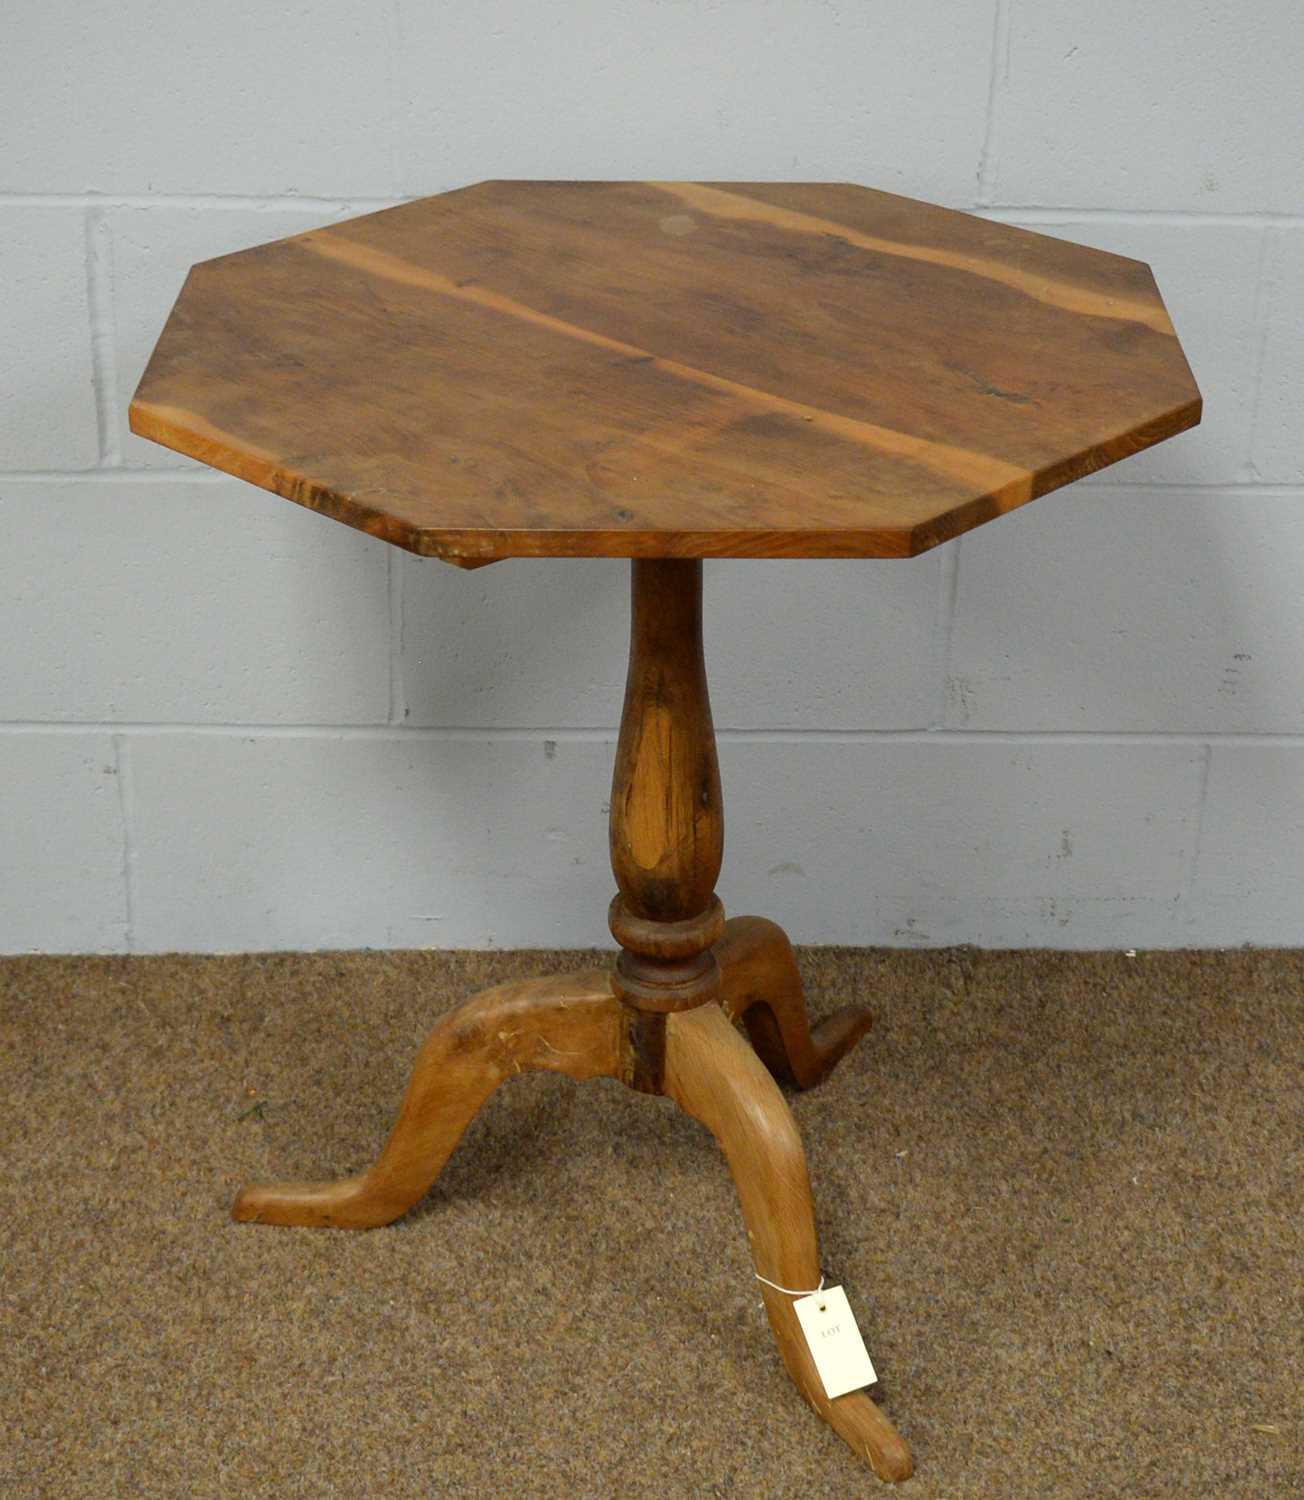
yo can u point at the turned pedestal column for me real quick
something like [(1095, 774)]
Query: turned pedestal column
[(667, 821)]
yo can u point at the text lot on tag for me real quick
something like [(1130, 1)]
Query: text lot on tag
[(834, 1340)]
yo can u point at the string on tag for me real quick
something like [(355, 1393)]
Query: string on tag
[(788, 1291)]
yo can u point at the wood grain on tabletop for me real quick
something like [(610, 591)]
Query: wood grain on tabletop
[(665, 369)]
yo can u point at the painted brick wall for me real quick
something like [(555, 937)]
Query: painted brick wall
[(227, 723)]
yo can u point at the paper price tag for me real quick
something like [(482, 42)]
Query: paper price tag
[(841, 1359)]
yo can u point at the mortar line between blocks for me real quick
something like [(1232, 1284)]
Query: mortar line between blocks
[(1262, 299), (1048, 212), (254, 201), (948, 589), (606, 734), (1197, 833), (172, 474), (1232, 487), (196, 473), (996, 65), (393, 44), (99, 305), (127, 815), (394, 586)]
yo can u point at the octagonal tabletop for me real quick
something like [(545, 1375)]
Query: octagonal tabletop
[(665, 369)]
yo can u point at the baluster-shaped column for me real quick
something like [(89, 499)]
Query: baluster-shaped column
[(667, 826)]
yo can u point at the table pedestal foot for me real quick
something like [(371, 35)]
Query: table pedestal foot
[(717, 1078), (570, 1023), (761, 985)]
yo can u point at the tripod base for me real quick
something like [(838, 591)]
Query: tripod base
[(574, 1024)]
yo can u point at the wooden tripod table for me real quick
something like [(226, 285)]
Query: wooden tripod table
[(665, 372)]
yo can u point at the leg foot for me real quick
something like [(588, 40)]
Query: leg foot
[(713, 1075), (566, 1024), (761, 986)]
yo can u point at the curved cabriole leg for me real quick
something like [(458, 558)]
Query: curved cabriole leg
[(570, 1023), (761, 986), (717, 1078)]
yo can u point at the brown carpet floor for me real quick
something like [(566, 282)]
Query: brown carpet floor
[(1063, 1191)]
